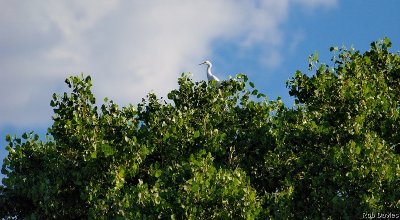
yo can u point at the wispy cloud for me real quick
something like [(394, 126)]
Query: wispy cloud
[(130, 47)]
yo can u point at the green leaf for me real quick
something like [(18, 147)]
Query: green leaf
[(8, 138), (251, 84), (358, 150), (367, 60), (93, 155), (195, 187), (387, 42), (245, 78), (259, 95), (196, 134), (166, 136), (107, 149), (158, 173)]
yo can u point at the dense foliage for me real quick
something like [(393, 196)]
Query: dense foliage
[(219, 152)]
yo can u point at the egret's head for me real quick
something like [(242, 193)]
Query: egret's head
[(206, 62)]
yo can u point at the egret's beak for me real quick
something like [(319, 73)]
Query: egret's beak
[(202, 63)]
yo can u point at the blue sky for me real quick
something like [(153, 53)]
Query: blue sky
[(133, 47)]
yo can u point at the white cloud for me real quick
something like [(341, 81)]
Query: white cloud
[(129, 47)]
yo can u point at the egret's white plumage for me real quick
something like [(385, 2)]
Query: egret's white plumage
[(210, 76)]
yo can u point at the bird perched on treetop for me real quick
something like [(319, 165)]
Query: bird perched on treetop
[(210, 76)]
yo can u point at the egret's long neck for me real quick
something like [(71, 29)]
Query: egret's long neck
[(209, 70)]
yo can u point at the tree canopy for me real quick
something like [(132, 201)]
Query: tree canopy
[(219, 152)]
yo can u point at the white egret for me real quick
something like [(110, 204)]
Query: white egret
[(210, 76)]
